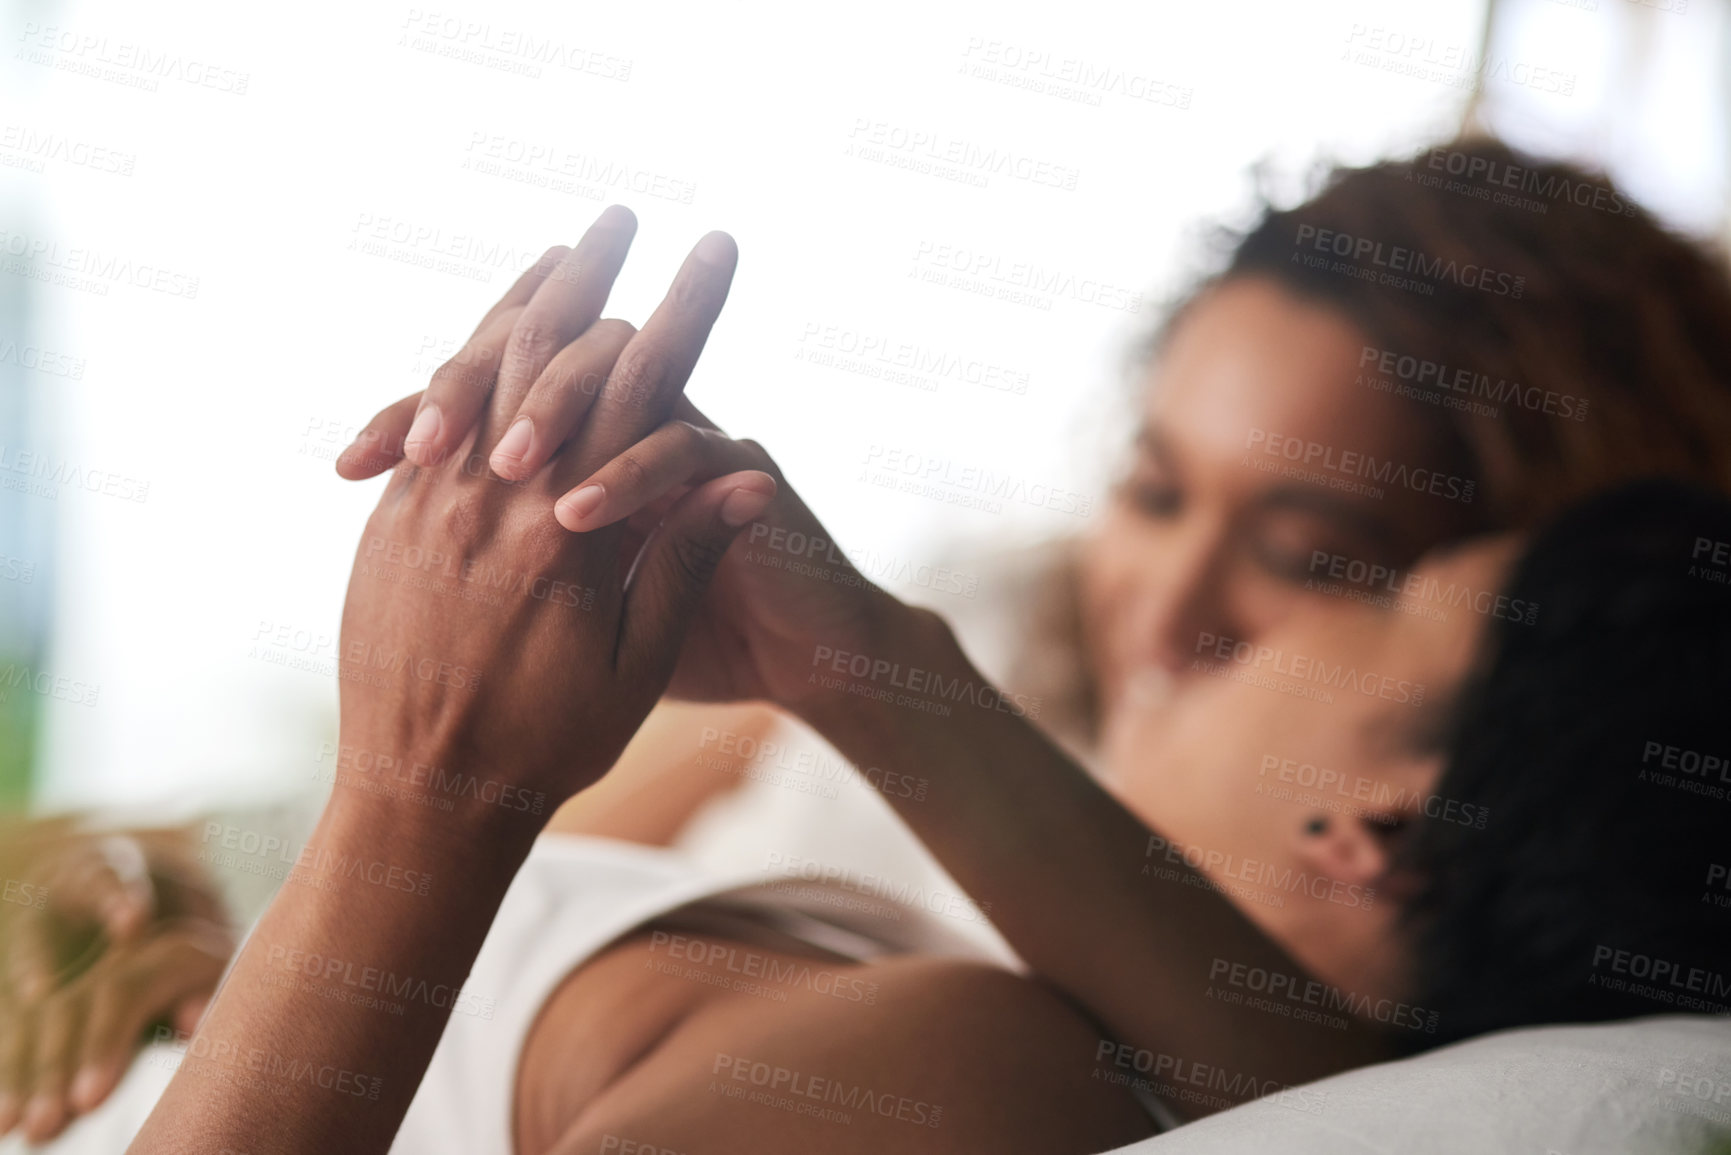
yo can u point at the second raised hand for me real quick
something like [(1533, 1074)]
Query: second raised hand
[(767, 612)]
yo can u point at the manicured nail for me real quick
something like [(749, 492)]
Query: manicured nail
[(43, 1116), (715, 249), (743, 505), (427, 424), (513, 447), (583, 502), (120, 914), (87, 1088)]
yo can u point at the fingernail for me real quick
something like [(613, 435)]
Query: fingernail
[(583, 502), (715, 249), (87, 1087), (427, 424), (118, 906), (43, 1116), (514, 446), (743, 505), (8, 1111)]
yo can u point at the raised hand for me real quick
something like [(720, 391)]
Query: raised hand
[(488, 657), (770, 604), (545, 682)]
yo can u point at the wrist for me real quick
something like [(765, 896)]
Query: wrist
[(908, 659), (431, 797)]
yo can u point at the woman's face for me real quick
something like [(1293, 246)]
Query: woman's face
[(1287, 771), (1243, 540), (1211, 535)]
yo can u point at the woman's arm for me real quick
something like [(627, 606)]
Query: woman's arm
[(1057, 861)]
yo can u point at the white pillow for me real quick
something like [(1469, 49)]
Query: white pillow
[(1656, 1086)]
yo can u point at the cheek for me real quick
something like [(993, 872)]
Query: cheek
[(1193, 766), (1110, 554), (1113, 567), (1257, 602)]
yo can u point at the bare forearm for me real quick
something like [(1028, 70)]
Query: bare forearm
[(294, 1055), (1061, 865)]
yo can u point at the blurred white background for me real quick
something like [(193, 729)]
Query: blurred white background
[(352, 185)]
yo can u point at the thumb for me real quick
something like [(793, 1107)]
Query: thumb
[(677, 562)]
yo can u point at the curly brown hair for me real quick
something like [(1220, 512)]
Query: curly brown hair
[(1602, 339), (1544, 281)]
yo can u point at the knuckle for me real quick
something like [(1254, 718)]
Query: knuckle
[(459, 517), (456, 374), (694, 293), (634, 378), (565, 377), (474, 355), (696, 557), (688, 438), (614, 330), (759, 457), (532, 340), (631, 473), (541, 541)]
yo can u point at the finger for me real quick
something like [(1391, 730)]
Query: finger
[(684, 410), (676, 454), (524, 286), (14, 1062), (559, 398), (30, 957), (379, 445), (564, 306), (641, 391), (456, 394), (150, 984), (676, 566), (58, 1030), (103, 1052)]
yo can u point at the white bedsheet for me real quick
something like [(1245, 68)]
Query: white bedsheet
[(1650, 1086)]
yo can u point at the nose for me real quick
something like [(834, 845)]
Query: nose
[(1178, 598)]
